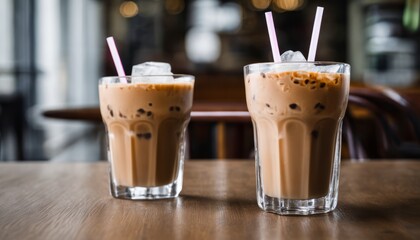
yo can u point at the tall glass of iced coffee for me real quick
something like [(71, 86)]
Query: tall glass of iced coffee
[(145, 119), (297, 110)]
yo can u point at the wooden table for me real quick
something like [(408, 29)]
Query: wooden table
[(202, 111), (377, 200), (219, 113)]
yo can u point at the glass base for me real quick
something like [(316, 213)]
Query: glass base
[(146, 193), (297, 207)]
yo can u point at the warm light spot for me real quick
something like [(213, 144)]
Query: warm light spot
[(288, 5), (129, 9), (174, 6), (260, 4), (202, 46)]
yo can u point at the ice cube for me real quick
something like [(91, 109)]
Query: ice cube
[(151, 68), (290, 56), (327, 69), (140, 71)]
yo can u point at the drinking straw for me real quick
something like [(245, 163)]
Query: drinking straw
[(315, 34), (273, 37), (116, 58)]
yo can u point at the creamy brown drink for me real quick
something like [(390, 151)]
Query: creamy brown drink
[(297, 117), (145, 123)]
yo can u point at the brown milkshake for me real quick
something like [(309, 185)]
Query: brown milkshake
[(145, 124), (296, 117)]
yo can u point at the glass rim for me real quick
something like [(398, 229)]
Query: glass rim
[(298, 63), (152, 75), (108, 79)]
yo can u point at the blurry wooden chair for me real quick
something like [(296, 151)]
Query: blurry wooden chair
[(404, 119), (396, 127), (353, 135)]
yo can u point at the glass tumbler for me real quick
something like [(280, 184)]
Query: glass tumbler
[(145, 119), (297, 110)]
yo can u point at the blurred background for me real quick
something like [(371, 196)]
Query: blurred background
[(52, 53)]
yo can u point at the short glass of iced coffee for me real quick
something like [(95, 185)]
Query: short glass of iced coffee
[(146, 119)]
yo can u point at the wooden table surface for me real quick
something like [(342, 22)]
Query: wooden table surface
[(377, 200), (201, 111)]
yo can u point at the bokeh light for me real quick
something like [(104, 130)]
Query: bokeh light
[(260, 4), (129, 9), (174, 6), (288, 5)]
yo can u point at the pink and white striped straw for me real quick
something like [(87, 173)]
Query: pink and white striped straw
[(273, 37), (315, 34), (116, 58)]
